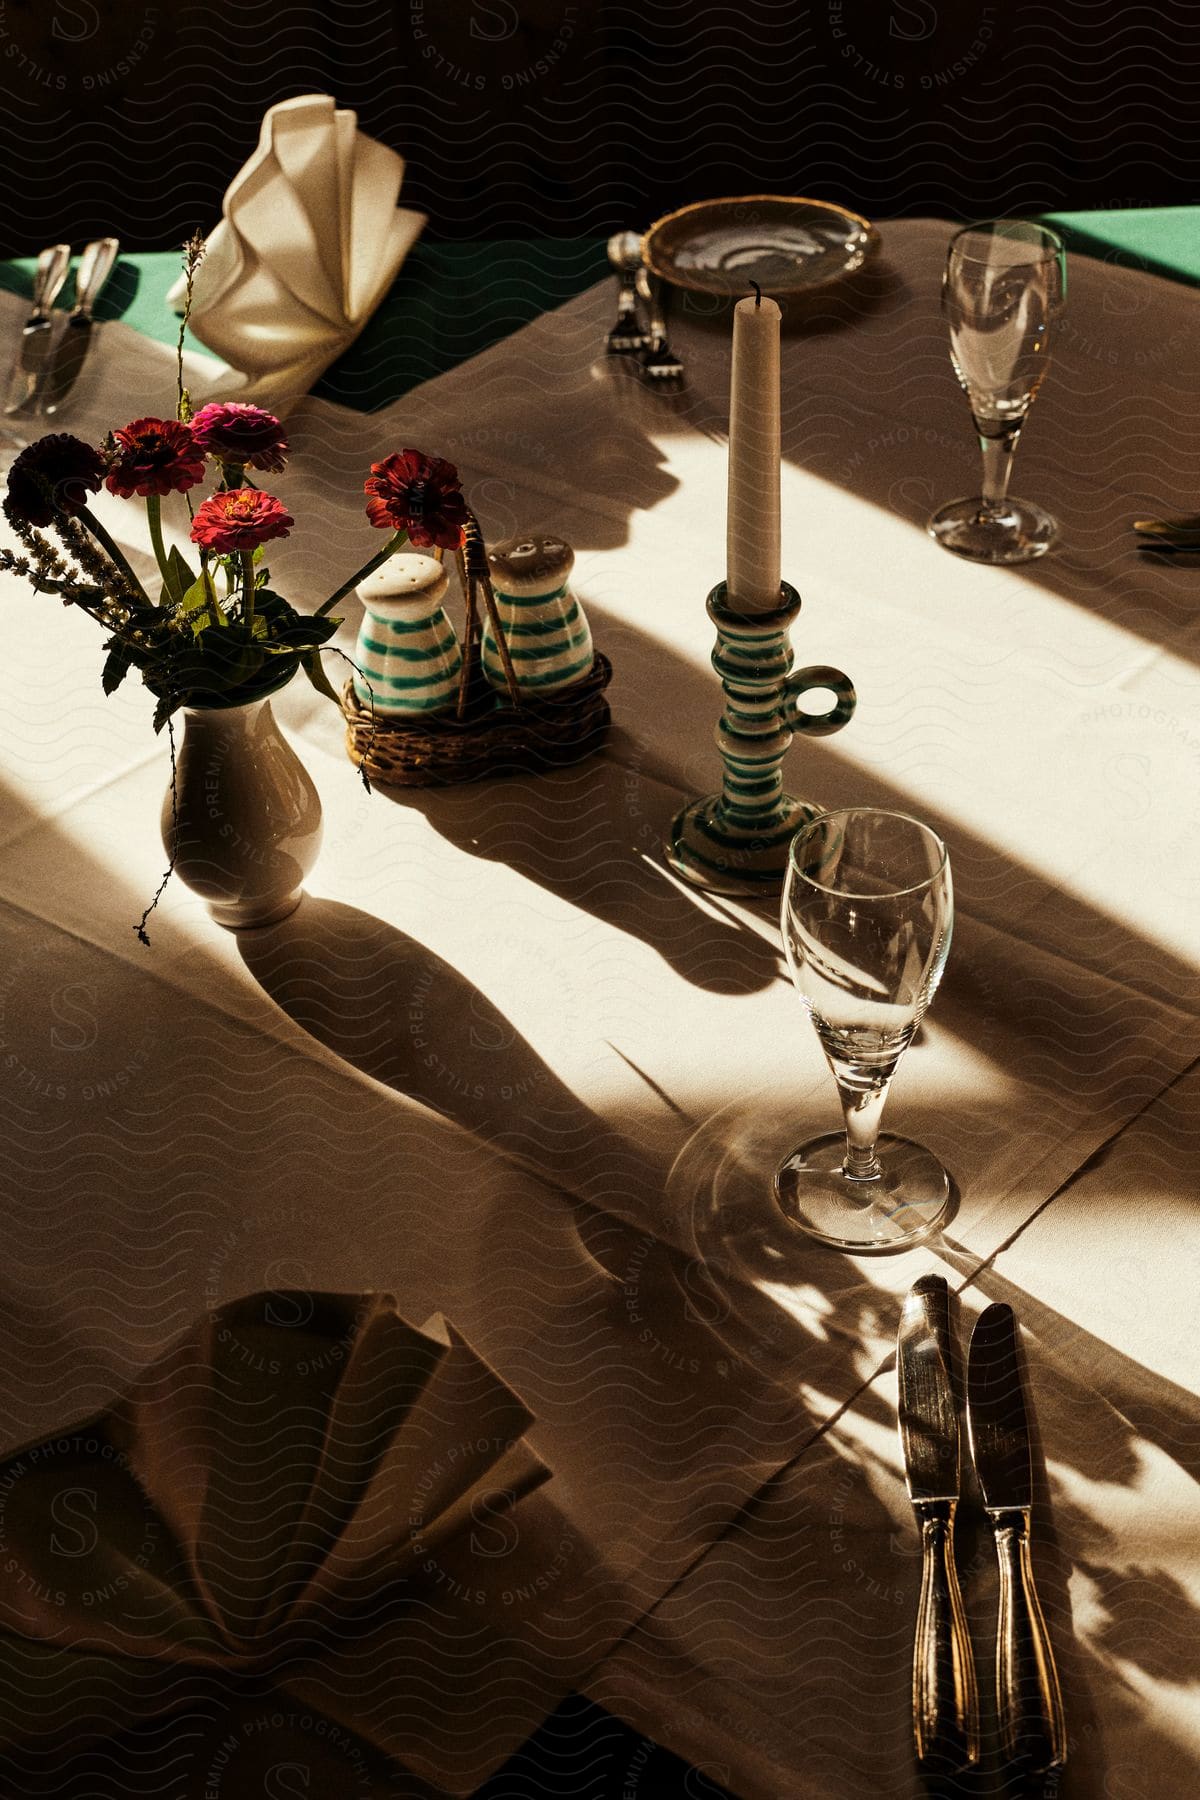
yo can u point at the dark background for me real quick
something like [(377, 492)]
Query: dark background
[(543, 118), (572, 118)]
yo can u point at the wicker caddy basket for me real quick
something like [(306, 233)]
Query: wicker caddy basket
[(486, 734)]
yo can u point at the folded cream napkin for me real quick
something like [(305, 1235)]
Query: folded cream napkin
[(271, 1553), (309, 242)]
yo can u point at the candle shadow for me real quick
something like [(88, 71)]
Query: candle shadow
[(592, 836)]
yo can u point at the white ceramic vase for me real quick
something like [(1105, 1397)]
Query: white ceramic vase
[(248, 826)]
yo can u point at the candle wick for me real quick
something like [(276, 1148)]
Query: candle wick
[(757, 293)]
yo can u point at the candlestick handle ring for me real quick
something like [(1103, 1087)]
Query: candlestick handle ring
[(736, 842), (811, 680)]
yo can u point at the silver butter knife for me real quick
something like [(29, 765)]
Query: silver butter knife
[(945, 1693), (95, 266), (28, 371), (1028, 1697), (1188, 526)]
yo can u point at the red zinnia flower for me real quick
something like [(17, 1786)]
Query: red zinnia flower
[(54, 475), (239, 433), (420, 495), (155, 456), (240, 519)]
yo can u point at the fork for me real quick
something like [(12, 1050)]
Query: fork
[(657, 361), (625, 256)]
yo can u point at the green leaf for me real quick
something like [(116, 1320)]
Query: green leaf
[(315, 670), (220, 658), (164, 709), (273, 605), (290, 630), (200, 604), (179, 578), (117, 665), (306, 634)]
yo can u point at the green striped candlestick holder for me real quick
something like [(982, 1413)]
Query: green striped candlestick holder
[(736, 842)]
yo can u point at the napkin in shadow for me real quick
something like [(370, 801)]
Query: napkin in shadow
[(278, 1521), (309, 242)]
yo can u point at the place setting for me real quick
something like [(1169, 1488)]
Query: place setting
[(600, 997)]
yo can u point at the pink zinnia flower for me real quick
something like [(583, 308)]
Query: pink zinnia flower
[(242, 434), (154, 456), (420, 495), (240, 519)]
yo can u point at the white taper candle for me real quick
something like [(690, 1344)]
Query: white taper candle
[(752, 534)]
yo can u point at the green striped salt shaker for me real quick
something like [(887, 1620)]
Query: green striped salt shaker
[(407, 647), (549, 639)]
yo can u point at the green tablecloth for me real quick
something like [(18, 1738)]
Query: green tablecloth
[(450, 301), (1163, 239)]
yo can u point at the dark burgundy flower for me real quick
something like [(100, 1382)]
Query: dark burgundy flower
[(420, 495), (240, 519), (154, 456), (55, 475), (241, 434)]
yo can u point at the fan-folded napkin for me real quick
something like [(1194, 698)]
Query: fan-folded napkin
[(309, 242), (277, 1543)]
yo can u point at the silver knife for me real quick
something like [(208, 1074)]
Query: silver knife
[(945, 1694), (1028, 1698), (29, 368), (95, 267)]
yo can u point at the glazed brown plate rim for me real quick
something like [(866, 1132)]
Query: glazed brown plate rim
[(656, 241)]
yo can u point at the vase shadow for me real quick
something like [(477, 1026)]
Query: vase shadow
[(403, 1016)]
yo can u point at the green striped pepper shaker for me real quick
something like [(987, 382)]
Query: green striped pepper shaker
[(548, 636), (407, 647)]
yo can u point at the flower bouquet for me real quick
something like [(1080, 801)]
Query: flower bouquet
[(214, 635)]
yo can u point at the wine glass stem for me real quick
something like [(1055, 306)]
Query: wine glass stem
[(998, 446), (862, 1109)]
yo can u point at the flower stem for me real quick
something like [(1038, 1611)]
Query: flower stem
[(389, 549), (247, 557), (154, 516), (112, 550)]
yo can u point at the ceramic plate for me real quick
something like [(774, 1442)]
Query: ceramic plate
[(786, 245)]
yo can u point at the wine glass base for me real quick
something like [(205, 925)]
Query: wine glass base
[(1016, 531), (901, 1206)]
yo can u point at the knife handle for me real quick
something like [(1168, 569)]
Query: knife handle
[(95, 267), (1028, 1698), (48, 278), (945, 1694)]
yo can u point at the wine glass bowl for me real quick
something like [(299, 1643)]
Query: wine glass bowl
[(866, 920), (1003, 291)]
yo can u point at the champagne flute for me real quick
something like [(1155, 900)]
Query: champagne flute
[(867, 914), (1002, 292)]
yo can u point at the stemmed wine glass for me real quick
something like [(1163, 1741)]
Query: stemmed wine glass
[(867, 914), (1002, 292)]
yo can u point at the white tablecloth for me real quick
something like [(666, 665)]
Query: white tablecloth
[(464, 1069)]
